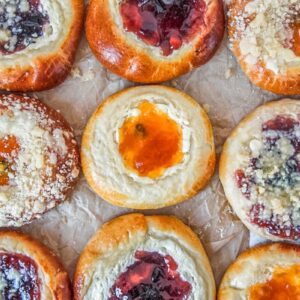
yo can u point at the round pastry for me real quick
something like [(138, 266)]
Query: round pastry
[(270, 271), (260, 170), (29, 270), (38, 41), (138, 257), (265, 38), (148, 147), (154, 40), (39, 159)]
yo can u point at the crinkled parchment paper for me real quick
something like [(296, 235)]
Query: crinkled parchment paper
[(226, 95)]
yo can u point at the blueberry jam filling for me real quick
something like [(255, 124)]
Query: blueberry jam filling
[(18, 278), (22, 22), (271, 181), (167, 24), (151, 277)]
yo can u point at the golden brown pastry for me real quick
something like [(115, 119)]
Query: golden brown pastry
[(154, 41), (138, 257), (38, 42)]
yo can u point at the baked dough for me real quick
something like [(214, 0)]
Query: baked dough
[(260, 173), (265, 37), (111, 250), (105, 167), (38, 42), (268, 271), (39, 159), (136, 56), (29, 266)]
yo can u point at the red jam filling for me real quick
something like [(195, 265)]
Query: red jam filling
[(287, 176), (151, 277), (19, 277), (163, 23), (21, 23)]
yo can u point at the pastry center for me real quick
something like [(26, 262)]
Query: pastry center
[(296, 36), (18, 277), (284, 285), (271, 180), (9, 148), (150, 142), (22, 22), (151, 277), (167, 24)]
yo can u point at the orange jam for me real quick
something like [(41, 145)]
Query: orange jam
[(150, 142), (284, 285), (8, 151)]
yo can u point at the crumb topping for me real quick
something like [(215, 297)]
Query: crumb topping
[(45, 165), (265, 31), (270, 180), (22, 22)]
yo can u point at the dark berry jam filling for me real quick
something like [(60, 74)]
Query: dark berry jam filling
[(151, 277), (277, 182), (18, 278), (163, 23), (22, 22)]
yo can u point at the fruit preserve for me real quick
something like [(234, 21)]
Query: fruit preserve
[(271, 180), (151, 277), (167, 24), (18, 277), (150, 142), (284, 285), (22, 22)]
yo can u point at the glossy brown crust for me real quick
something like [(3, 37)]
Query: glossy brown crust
[(48, 70), (121, 230), (258, 254), (120, 199), (133, 62), (58, 120), (276, 83), (46, 260)]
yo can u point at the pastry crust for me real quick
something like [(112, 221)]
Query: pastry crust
[(55, 283), (124, 54), (128, 232), (46, 166), (36, 69), (261, 71), (254, 266), (233, 154), (108, 176)]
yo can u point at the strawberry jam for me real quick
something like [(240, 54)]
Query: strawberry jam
[(22, 22), (18, 277), (150, 142), (272, 175), (163, 23), (151, 277), (284, 285)]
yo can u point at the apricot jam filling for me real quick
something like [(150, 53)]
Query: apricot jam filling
[(284, 285), (296, 36), (9, 148), (167, 24), (150, 142), (19, 277), (151, 277)]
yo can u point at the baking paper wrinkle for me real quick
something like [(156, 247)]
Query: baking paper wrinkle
[(67, 228)]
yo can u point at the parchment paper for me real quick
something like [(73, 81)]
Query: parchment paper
[(226, 95)]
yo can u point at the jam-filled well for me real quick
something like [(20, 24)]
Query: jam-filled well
[(19, 277), (150, 142), (283, 285), (167, 24), (152, 277), (9, 149), (22, 22), (274, 174)]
